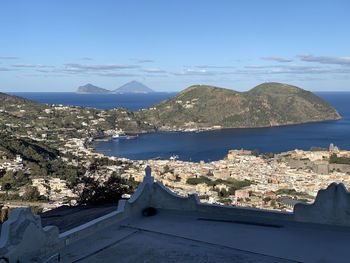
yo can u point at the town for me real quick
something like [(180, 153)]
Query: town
[(243, 178), (46, 152)]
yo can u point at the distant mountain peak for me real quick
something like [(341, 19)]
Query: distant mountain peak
[(130, 87), (133, 87), (89, 88), (134, 82)]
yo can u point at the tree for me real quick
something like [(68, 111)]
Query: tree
[(92, 192), (267, 199), (7, 187), (31, 193), (223, 193), (338, 160), (7, 181), (333, 158), (21, 178)]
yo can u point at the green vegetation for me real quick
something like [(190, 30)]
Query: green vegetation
[(232, 184), (286, 192), (31, 193), (104, 161), (54, 123), (339, 160), (292, 192), (14, 180), (40, 161), (238, 185), (46, 138), (29, 150), (50, 151), (200, 180), (94, 192), (269, 104), (267, 199), (223, 193)]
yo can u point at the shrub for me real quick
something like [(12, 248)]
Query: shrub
[(338, 160), (200, 180), (31, 193), (95, 193)]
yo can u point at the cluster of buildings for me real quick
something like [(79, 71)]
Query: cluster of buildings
[(275, 184), (55, 189), (7, 164)]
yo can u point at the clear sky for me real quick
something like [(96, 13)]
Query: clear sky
[(59, 45)]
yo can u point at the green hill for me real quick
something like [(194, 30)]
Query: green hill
[(10, 99), (269, 104)]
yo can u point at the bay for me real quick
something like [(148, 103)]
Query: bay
[(214, 145), (211, 145), (98, 101)]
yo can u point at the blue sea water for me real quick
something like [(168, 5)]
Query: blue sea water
[(98, 101), (212, 145)]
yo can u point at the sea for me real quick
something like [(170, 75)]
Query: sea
[(98, 101), (211, 145)]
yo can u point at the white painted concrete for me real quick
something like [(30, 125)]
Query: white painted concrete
[(241, 234), (331, 206), (23, 237)]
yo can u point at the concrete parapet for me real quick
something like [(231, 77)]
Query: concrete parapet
[(331, 206), (23, 237)]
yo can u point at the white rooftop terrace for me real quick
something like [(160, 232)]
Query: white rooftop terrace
[(156, 225)]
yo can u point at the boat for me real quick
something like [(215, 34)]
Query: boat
[(124, 137), (119, 137)]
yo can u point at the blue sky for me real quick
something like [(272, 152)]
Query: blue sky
[(169, 45)]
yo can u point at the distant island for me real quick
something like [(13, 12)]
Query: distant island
[(133, 87), (130, 87), (202, 107), (89, 88), (45, 145), (197, 108)]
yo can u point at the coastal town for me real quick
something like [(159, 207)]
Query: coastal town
[(174, 131), (46, 153), (242, 178)]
